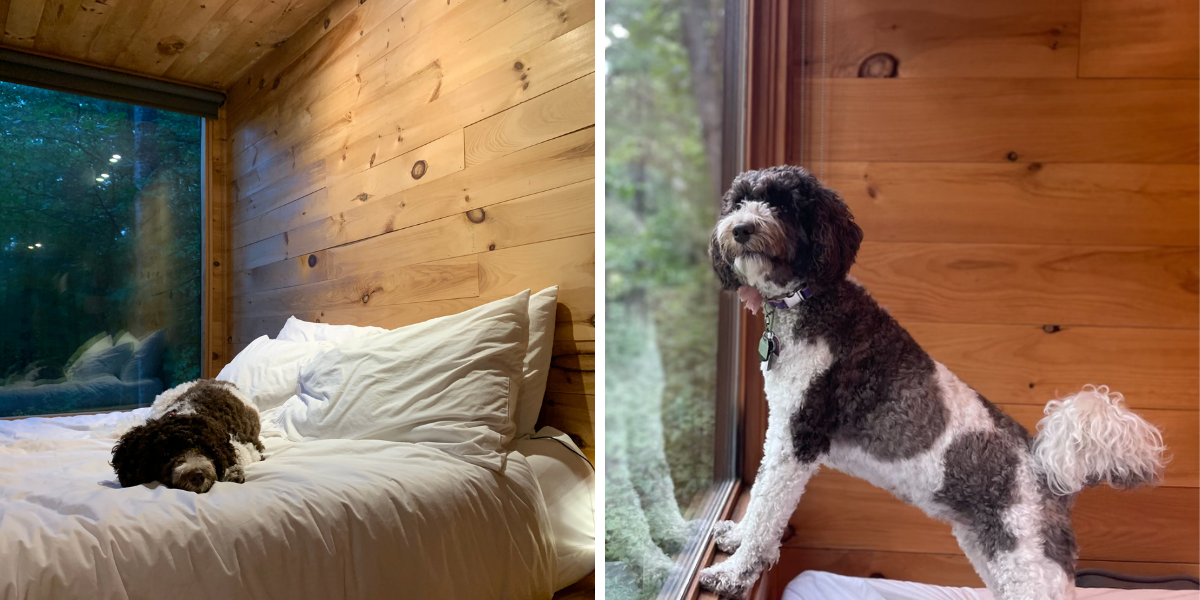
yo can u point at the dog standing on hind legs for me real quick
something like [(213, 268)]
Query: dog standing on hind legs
[(848, 388)]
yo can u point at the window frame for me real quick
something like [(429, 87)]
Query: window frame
[(35, 70)]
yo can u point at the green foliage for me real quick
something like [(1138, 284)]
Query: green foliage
[(659, 210), (83, 278)]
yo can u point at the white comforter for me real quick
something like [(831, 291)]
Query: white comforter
[(324, 519)]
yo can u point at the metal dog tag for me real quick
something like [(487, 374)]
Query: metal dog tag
[(768, 348)]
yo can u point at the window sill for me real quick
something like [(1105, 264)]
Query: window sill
[(734, 510)]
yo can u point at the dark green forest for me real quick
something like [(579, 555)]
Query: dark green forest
[(82, 181)]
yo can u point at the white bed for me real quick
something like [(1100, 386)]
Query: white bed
[(391, 471), (322, 519), (818, 585)]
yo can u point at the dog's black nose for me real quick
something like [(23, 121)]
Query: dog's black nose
[(195, 480), (742, 232)]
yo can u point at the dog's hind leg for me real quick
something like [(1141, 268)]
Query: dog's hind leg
[(975, 553), (1027, 574)]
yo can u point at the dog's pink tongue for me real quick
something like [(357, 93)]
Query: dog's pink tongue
[(751, 297)]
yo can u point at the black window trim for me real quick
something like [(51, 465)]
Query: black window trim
[(35, 70)]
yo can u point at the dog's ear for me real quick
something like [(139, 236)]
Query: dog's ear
[(835, 237), (720, 264), (129, 457)]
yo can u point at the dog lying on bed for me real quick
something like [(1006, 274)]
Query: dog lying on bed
[(849, 388), (197, 433)]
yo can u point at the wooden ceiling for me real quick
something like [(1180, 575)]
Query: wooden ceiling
[(208, 43)]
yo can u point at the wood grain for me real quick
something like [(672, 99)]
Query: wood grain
[(1026, 364), (215, 346), (560, 212), (1017, 203), (568, 263), (1147, 38), (1033, 120), (1023, 38), (842, 512), (206, 43), (569, 108), (1116, 286)]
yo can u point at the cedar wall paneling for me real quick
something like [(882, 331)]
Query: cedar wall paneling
[(400, 160), (1027, 185)]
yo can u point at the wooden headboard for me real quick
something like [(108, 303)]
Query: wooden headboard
[(1025, 174), (395, 161)]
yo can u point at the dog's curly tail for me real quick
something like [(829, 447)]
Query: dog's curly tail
[(1090, 438)]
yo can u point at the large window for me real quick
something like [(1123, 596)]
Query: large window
[(100, 252), (668, 416)]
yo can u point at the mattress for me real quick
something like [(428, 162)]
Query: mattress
[(320, 519), (817, 585)]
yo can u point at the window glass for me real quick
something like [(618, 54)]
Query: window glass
[(663, 171), (100, 251)]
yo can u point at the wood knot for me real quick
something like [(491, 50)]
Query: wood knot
[(363, 197), (491, 246), (312, 260), (216, 356), (1012, 156), (880, 65), (171, 46), (366, 298), (476, 215), (1031, 384), (1051, 328), (326, 23), (419, 168), (216, 263), (517, 66)]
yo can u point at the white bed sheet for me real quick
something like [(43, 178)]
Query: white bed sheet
[(324, 519), (818, 585)]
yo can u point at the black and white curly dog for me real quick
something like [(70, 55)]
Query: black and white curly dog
[(197, 433), (848, 388)]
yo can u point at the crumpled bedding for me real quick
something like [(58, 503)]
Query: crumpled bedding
[(323, 519), (818, 585)]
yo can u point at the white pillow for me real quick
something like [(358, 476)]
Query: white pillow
[(450, 383), (102, 362), (267, 370), (295, 330), (568, 485), (542, 308)]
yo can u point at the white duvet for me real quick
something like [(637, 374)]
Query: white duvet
[(323, 519), (818, 585)]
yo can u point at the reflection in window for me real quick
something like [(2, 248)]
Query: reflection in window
[(663, 103), (99, 252)]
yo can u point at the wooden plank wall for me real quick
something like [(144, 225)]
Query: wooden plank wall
[(1027, 184), (399, 160)]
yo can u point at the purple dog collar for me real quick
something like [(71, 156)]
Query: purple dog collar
[(791, 299)]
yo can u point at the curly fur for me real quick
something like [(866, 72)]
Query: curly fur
[(852, 390), (198, 433)]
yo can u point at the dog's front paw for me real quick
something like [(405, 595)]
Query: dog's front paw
[(726, 536), (235, 474), (727, 580)]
